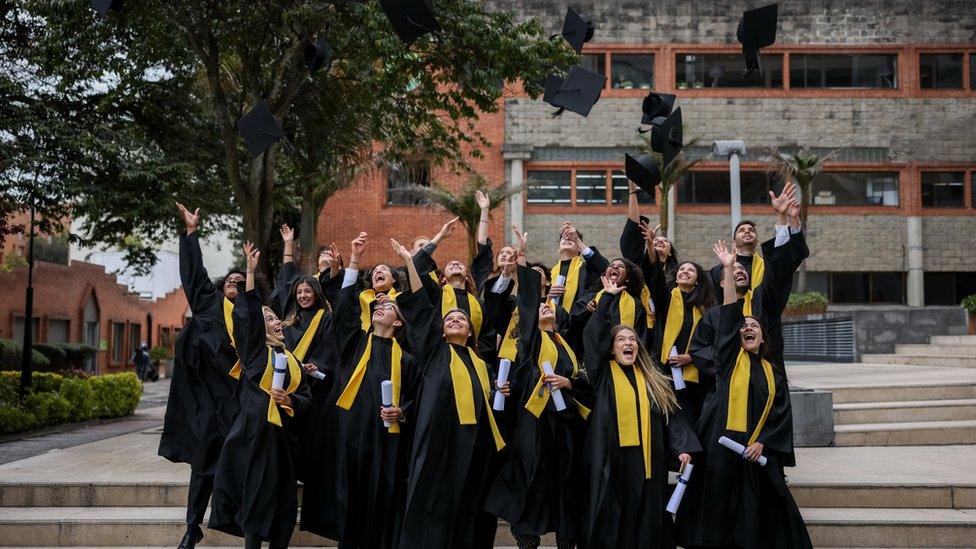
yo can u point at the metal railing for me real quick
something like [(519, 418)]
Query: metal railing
[(830, 339)]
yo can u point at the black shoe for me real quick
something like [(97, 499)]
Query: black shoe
[(191, 538)]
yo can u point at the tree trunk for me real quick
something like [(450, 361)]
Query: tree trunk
[(256, 205), (801, 277), (665, 193), (472, 241), (306, 234)]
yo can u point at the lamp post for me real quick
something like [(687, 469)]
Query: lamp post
[(27, 363), (732, 150)]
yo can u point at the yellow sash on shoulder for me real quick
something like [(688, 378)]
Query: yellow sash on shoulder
[(235, 370), (627, 307), (294, 378), (629, 401), (349, 393), (548, 352), (738, 411), (464, 393), (672, 327), (572, 280), (306, 341), (449, 301), (366, 297), (646, 302), (758, 270)]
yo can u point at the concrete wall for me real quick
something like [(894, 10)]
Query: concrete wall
[(878, 328)]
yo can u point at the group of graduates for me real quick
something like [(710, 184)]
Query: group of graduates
[(421, 405)]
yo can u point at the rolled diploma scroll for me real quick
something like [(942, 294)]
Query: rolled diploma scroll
[(560, 281), (677, 374), (738, 448), (679, 490), (280, 369), (386, 392), (318, 374), (557, 394), (504, 365)]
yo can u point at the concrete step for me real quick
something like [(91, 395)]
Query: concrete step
[(906, 496), (906, 434), (953, 340), (846, 527), (961, 361), (905, 411), (902, 392), (936, 350)]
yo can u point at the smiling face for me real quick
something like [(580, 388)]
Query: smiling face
[(456, 327), (686, 276), (625, 347), (305, 295), (567, 242), (616, 272), (272, 324), (745, 235), (741, 276), (547, 316), (230, 285), (751, 335), (662, 245), (382, 278), (455, 269), (385, 316)]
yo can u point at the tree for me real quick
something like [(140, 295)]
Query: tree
[(463, 205), (801, 167), (145, 101), (671, 175)]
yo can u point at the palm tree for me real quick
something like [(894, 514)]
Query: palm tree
[(801, 167), (462, 204), (670, 175)]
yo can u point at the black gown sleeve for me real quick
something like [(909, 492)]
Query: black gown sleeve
[(287, 276), (345, 323), (632, 246), (595, 265), (727, 343), (777, 432), (250, 334), (596, 341), (701, 349), (681, 435), (529, 297), (423, 323), (482, 264), (425, 266), (330, 285), (657, 286), (203, 297), (424, 260)]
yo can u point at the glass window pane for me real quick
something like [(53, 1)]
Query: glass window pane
[(856, 188), (621, 189), (887, 288), (940, 289), (972, 71), (755, 186), (940, 70), (843, 71), (591, 187), (118, 342), (632, 71), (550, 187), (725, 71), (942, 189), (596, 62), (965, 286), (704, 188), (849, 287), (403, 176), (135, 338), (57, 331)]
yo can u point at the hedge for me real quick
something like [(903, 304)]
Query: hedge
[(48, 357), (807, 303), (54, 399)]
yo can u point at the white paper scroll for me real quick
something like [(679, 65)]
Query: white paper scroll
[(504, 365), (679, 490), (738, 448), (557, 394), (280, 369), (317, 374), (560, 281), (386, 393), (677, 374)]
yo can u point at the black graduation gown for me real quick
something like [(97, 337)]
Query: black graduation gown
[(730, 501), (450, 462), (623, 508), (633, 248), (581, 316), (256, 485), (202, 400), (355, 491), (593, 268), (538, 488)]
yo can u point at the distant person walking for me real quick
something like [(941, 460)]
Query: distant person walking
[(142, 362)]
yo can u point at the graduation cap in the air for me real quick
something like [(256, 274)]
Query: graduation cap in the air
[(411, 19), (317, 55), (259, 129), (667, 137), (655, 109), (579, 91), (102, 7), (643, 171), (757, 29), (576, 30)]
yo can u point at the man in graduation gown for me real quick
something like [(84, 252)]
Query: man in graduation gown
[(202, 401)]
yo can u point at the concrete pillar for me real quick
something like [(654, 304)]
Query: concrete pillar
[(515, 156), (672, 218), (915, 290)]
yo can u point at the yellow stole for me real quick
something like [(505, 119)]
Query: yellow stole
[(509, 346), (646, 302), (629, 401), (758, 270), (548, 352), (349, 393), (449, 301), (747, 304), (738, 412), (572, 280), (464, 393), (306, 341), (627, 306), (235, 370), (672, 327), (366, 297), (295, 377)]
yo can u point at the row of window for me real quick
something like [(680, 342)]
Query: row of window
[(602, 187), (833, 70), (947, 288)]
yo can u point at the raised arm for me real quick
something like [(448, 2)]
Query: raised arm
[(200, 291), (726, 258), (633, 208), (596, 335), (529, 297), (250, 333), (484, 203), (423, 321)]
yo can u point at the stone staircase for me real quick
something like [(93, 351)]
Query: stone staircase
[(954, 351)]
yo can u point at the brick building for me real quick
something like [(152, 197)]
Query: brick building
[(892, 82)]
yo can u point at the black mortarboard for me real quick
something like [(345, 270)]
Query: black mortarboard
[(317, 54), (656, 107), (411, 19), (757, 29), (259, 128), (102, 7), (667, 137), (577, 30), (643, 171), (579, 91)]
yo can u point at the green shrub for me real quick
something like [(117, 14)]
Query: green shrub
[(9, 355), (9, 387), (969, 303), (116, 395), (49, 408), (14, 419), (158, 354), (76, 354), (46, 382), (79, 394), (807, 303), (55, 355)]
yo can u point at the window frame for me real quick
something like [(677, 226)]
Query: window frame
[(387, 203), (114, 347)]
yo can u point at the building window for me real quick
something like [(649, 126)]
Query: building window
[(135, 338), (401, 178), (972, 71), (58, 330), (118, 343), (725, 71), (19, 329), (843, 71), (867, 288), (596, 62), (549, 187), (713, 187), (948, 288), (940, 70), (632, 71), (856, 188), (591, 187), (621, 190), (942, 189)]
